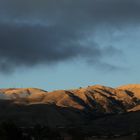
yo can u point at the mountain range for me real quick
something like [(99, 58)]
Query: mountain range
[(94, 108)]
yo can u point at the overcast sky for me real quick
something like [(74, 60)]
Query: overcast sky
[(55, 44)]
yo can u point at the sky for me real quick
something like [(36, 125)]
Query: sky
[(63, 44)]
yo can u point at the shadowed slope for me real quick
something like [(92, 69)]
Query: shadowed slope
[(67, 107)]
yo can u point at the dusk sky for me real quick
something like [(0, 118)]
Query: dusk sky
[(62, 44)]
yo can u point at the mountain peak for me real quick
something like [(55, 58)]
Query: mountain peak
[(75, 107), (129, 86)]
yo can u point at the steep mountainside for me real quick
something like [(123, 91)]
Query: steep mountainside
[(67, 107)]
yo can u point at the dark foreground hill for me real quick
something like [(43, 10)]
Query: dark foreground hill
[(97, 109)]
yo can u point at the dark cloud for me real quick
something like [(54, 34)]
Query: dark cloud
[(25, 45), (50, 31), (72, 12)]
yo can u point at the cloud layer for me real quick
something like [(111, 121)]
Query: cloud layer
[(50, 31)]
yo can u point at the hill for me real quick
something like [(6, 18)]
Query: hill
[(97, 106)]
